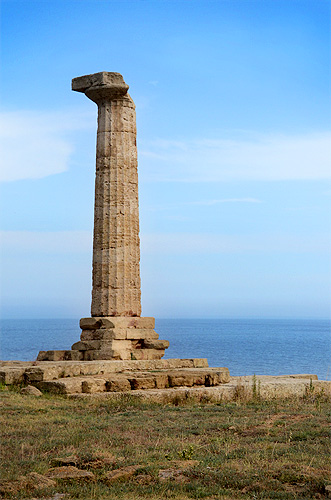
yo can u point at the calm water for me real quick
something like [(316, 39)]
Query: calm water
[(246, 347)]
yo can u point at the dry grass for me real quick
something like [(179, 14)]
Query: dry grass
[(245, 449)]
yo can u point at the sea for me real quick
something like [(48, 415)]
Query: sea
[(245, 346)]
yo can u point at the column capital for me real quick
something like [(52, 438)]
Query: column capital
[(101, 86)]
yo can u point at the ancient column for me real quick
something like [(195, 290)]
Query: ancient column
[(116, 251), (115, 329)]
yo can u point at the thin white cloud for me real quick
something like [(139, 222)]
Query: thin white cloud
[(205, 243), (67, 242), (259, 157), (36, 144)]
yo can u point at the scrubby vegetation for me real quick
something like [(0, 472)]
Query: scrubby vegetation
[(246, 449)]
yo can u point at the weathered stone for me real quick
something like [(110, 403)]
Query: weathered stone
[(121, 474), (141, 333), (74, 356), (104, 334), (88, 345), (52, 355), (142, 382), (116, 301), (116, 273), (223, 375), (111, 82), (30, 390), (39, 481), (98, 322), (39, 374), (92, 385), (180, 378), (121, 344), (12, 376), (156, 344), (147, 354), (116, 288), (118, 384), (62, 386), (70, 473), (95, 355), (161, 380), (90, 323)]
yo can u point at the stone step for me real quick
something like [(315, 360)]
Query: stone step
[(131, 381), (269, 387), (18, 372)]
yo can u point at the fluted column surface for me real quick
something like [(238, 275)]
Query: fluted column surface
[(116, 246)]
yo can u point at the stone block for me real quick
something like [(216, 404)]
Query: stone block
[(156, 344), (146, 354), (104, 79), (211, 379), (118, 384), (12, 376), (180, 379), (92, 385), (121, 344), (52, 355), (224, 375), (73, 356), (87, 345), (95, 355), (142, 382), (109, 322), (90, 323), (161, 380), (199, 362), (71, 385), (42, 356), (141, 334), (121, 354), (199, 378), (104, 334), (40, 374)]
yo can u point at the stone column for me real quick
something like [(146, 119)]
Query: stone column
[(115, 330), (116, 249)]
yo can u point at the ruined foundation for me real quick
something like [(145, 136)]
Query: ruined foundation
[(115, 329)]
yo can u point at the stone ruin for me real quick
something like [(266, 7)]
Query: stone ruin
[(119, 351), (115, 329)]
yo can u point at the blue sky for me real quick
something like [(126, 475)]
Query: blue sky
[(233, 117)]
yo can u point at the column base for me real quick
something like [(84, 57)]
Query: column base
[(113, 337)]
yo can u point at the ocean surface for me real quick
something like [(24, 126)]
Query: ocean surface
[(246, 347)]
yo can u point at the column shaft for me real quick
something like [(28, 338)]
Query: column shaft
[(116, 246)]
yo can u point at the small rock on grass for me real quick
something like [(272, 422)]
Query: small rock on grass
[(38, 481), (70, 473), (30, 390), (173, 475), (121, 474), (143, 478), (176, 473)]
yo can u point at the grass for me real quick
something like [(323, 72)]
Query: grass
[(246, 449)]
